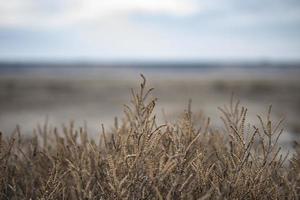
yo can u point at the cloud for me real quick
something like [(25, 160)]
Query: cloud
[(149, 28), (61, 13), (64, 12)]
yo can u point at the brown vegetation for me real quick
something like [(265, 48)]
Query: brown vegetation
[(140, 159)]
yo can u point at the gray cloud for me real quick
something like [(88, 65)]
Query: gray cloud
[(153, 28)]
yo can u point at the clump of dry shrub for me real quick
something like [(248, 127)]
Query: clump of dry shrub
[(140, 159)]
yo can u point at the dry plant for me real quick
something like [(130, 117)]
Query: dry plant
[(141, 159)]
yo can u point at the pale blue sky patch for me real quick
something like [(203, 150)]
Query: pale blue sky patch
[(150, 29)]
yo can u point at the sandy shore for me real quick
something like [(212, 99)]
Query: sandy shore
[(96, 96)]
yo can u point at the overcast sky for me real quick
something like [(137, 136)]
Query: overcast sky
[(150, 29)]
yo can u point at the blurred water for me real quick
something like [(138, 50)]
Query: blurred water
[(96, 94)]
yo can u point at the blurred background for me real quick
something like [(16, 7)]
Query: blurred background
[(65, 60)]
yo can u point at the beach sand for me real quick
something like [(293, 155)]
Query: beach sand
[(97, 96)]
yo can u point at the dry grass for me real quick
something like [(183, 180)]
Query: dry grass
[(140, 159)]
